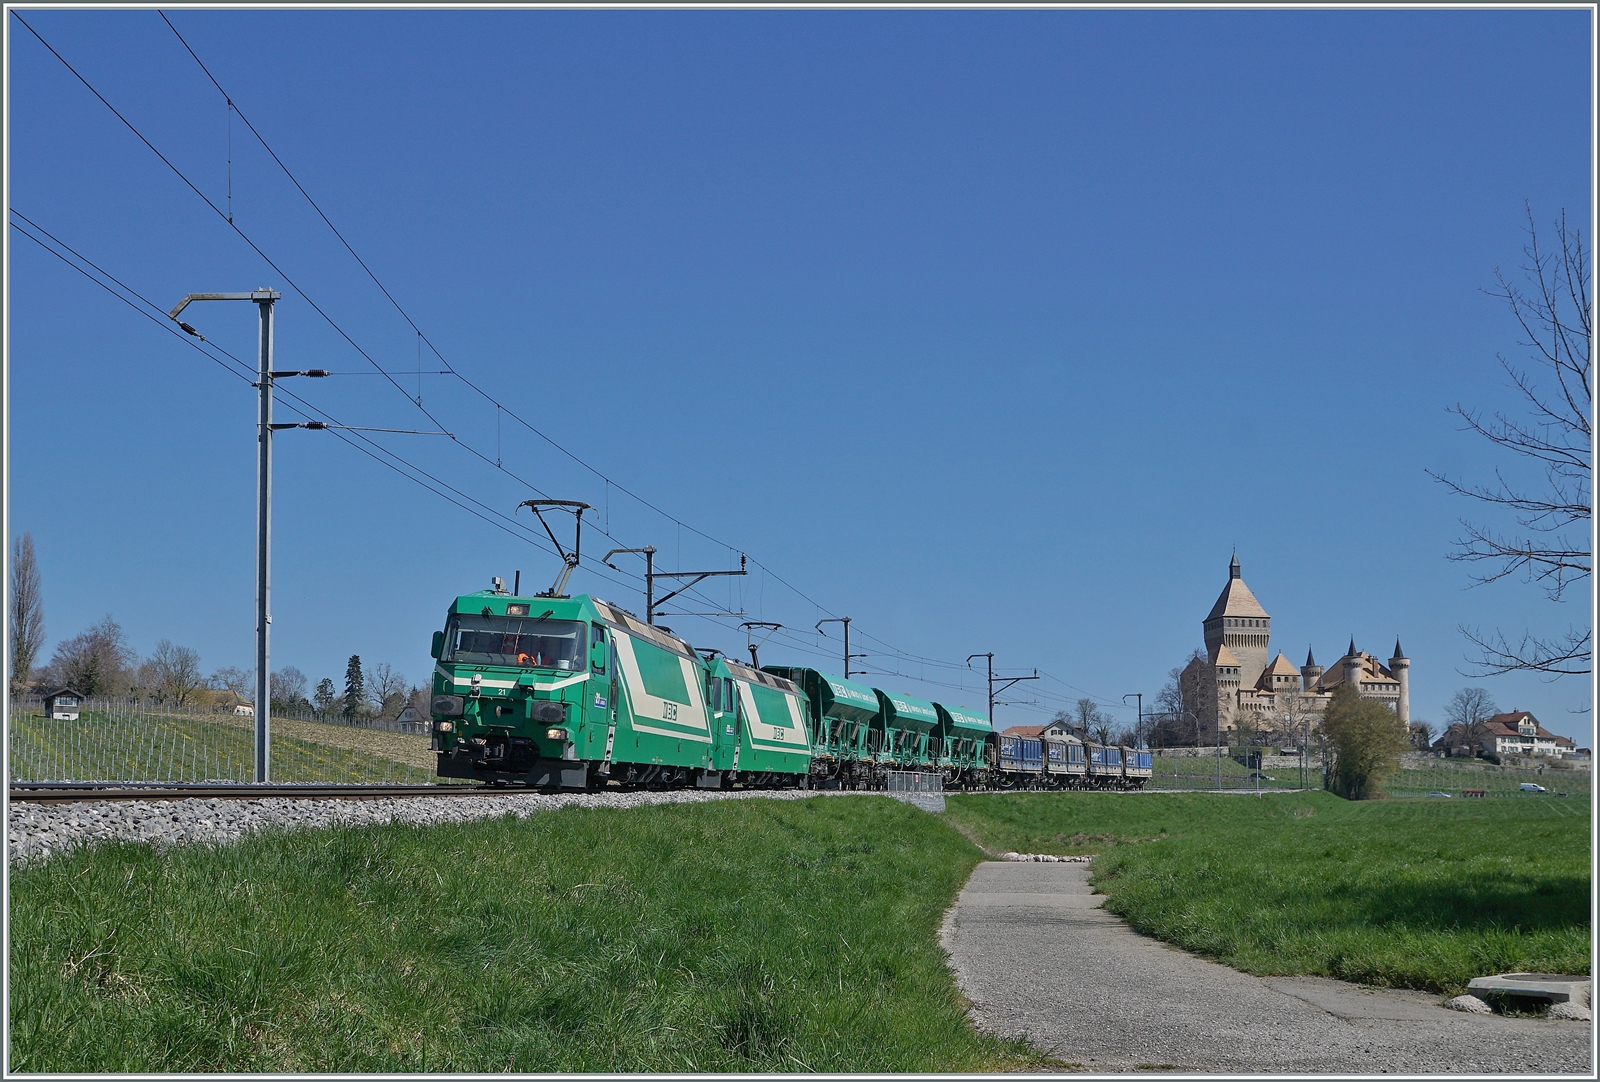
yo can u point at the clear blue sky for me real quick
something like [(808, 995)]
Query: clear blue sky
[(992, 330)]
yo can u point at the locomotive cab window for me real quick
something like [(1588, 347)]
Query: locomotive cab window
[(599, 639), (515, 641)]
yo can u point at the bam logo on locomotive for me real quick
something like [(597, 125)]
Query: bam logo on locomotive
[(662, 685), (774, 718)]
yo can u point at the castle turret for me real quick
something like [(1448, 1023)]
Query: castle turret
[(1310, 673), (1400, 665), (1354, 668)]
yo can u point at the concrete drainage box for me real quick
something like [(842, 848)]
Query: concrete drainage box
[(1552, 987)]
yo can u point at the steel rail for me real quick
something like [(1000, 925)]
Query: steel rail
[(73, 792)]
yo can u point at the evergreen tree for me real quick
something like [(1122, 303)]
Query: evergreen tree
[(323, 698), (355, 687)]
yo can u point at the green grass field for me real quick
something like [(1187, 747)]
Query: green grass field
[(730, 936), (1422, 894), (1201, 772), (175, 747)]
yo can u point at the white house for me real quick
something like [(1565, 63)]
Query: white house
[(1519, 733)]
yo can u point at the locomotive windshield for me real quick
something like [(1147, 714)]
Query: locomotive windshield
[(515, 641)]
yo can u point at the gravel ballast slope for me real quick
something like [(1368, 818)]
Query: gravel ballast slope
[(39, 831)]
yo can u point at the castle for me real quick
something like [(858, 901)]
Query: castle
[(1240, 689)]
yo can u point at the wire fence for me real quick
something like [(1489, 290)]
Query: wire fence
[(117, 740), (1231, 768), (1418, 776), (1421, 776), (355, 721)]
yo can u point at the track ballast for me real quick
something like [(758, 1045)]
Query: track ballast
[(78, 791)]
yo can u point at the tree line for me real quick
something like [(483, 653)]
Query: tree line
[(99, 662)]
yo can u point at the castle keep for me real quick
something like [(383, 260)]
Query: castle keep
[(1242, 687)]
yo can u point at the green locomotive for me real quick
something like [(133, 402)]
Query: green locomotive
[(571, 692), (574, 692)]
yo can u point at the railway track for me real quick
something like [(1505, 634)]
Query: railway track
[(75, 791)]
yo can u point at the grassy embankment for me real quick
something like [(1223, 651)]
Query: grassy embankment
[(1203, 772), (744, 935), (153, 746), (1405, 893)]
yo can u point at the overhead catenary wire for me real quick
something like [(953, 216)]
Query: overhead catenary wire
[(297, 405), (378, 453), (500, 406), (244, 372), (379, 369), (449, 368)]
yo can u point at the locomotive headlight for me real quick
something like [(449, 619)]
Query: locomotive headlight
[(446, 726), (449, 706), (556, 734)]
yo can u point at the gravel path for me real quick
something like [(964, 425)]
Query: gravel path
[(1037, 957), (37, 831)]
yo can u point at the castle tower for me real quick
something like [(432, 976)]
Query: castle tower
[(1354, 667), (1228, 684), (1238, 622), (1310, 673), (1400, 665)]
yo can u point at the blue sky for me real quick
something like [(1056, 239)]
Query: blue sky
[(992, 330)]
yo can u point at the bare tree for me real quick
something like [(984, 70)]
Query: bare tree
[(1421, 734), (1090, 721), (95, 662), (1470, 706), (386, 688), (287, 687), (27, 612), (242, 682), (1551, 544), (1467, 717), (1180, 704), (1294, 712), (176, 670)]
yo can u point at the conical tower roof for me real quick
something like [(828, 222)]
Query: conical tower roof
[(1280, 667), (1310, 661), (1398, 653), (1236, 599)]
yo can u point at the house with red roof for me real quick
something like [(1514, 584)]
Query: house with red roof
[(1514, 733)]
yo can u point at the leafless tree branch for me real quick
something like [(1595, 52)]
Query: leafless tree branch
[(1552, 307), (1567, 655)]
